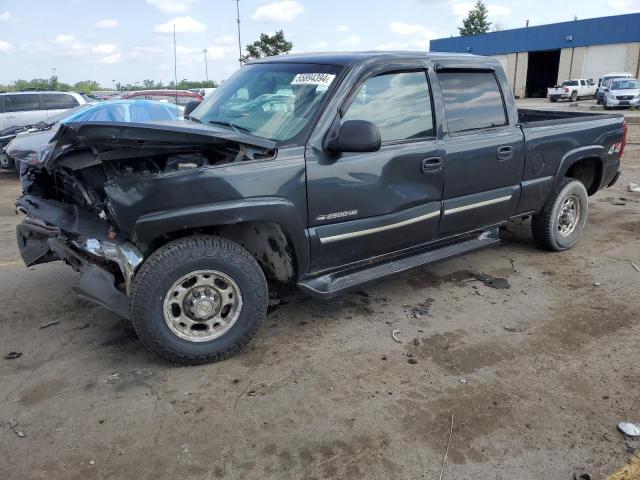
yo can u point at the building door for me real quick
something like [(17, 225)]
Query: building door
[(602, 59)]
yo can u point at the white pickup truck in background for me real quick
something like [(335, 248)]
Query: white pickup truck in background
[(572, 90)]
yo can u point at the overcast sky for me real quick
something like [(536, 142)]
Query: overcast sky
[(128, 41)]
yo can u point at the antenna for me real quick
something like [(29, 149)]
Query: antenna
[(239, 41)]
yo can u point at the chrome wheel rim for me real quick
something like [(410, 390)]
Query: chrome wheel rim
[(202, 305), (569, 216)]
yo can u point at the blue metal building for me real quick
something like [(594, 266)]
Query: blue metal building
[(540, 56)]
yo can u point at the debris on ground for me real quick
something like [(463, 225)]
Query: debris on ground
[(513, 329), (633, 187), (394, 334), (13, 355), (420, 310), (463, 380), (493, 282), (596, 284), (635, 265), (49, 324), (629, 429), (416, 342), (412, 360), (581, 475), (13, 425)]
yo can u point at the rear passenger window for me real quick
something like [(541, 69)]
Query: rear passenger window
[(59, 101), (21, 103), (397, 103), (472, 100)]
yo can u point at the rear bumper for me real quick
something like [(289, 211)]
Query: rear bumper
[(107, 268), (559, 96)]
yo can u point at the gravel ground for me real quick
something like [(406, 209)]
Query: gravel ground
[(536, 376)]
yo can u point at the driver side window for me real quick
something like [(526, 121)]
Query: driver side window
[(397, 103)]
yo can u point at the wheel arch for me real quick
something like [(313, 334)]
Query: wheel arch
[(271, 229), (584, 164)]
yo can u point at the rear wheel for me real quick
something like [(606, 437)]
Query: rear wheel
[(574, 96), (554, 100), (198, 300), (560, 225)]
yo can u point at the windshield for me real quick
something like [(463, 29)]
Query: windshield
[(626, 84), (269, 100)]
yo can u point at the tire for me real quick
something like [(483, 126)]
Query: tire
[(604, 104), (574, 96), (158, 294), (547, 226), (553, 100)]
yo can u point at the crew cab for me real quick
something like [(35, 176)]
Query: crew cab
[(572, 90), (351, 168)]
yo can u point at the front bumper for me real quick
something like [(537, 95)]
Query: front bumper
[(614, 102), (107, 267)]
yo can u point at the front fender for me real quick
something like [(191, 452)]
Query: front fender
[(152, 226)]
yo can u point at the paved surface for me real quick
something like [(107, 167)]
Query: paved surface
[(536, 377)]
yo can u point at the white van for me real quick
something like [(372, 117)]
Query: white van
[(27, 108), (604, 81)]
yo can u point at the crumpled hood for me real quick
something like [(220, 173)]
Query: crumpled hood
[(153, 137), (32, 147)]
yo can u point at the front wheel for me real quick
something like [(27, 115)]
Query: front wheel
[(198, 300), (560, 225), (605, 105)]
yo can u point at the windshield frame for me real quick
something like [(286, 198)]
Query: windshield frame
[(302, 136)]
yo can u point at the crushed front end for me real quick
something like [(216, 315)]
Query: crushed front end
[(85, 189)]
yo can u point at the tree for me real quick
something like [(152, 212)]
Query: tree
[(476, 21), (267, 46), (86, 86), (498, 26)]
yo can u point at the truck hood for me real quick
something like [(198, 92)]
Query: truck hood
[(147, 138)]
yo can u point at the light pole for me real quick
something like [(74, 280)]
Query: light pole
[(206, 68), (239, 41)]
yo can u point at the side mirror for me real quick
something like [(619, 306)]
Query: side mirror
[(356, 136), (190, 107)]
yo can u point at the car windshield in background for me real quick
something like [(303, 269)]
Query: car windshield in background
[(270, 100), (626, 84)]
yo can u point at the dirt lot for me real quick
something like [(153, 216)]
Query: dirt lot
[(536, 376)]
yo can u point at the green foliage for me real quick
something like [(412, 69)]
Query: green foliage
[(476, 21), (88, 86), (268, 46)]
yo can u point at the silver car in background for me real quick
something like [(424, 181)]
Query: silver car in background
[(621, 92)]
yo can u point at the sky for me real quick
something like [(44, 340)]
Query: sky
[(129, 41)]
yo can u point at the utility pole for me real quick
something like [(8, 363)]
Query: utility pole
[(206, 69), (239, 41), (175, 60)]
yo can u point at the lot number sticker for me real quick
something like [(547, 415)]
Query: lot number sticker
[(324, 79)]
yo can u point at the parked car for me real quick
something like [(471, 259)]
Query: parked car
[(26, 108), (180, 97), (25, 142), (203, 91), (603, 83), (621, 92), (572, 90), (386, 162)]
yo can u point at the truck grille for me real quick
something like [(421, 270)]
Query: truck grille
[(625, 97)]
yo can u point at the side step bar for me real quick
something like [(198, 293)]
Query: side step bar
[(336, 283)]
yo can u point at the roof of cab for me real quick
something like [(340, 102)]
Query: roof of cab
[(350, 58)]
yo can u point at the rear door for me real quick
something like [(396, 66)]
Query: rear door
[(23, 109), (55, 103), (484, 151), (366, 204)]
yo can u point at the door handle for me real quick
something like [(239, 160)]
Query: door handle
[(432, 165), (505, 152)]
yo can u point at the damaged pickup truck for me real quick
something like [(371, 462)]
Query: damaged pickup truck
[(327, 171)]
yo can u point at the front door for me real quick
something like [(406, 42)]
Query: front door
[(362, 205), (484, 157)]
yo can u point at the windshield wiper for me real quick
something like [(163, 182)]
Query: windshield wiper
[(231, 125), (193, 119)]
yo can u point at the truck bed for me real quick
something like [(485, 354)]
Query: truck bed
[(538, 118)]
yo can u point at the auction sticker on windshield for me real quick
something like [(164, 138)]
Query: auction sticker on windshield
[(313, 79)]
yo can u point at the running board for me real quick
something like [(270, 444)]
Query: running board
[(333, 284)]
